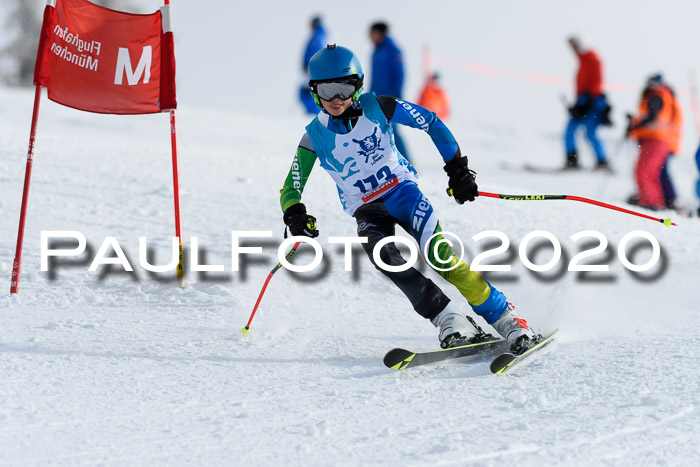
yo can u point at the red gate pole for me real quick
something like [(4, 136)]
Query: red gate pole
[(176, 195), (17, 263)]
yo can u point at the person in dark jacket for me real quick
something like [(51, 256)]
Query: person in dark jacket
[(316, 42), (387, 71)]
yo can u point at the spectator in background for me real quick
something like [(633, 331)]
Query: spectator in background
[(591, 108), (316, 42), (697, 186), (434, 98), (667, 186), (387, 71), (657, 127)]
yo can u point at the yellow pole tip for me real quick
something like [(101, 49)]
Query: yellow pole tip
[(245, 331), (667, 222)]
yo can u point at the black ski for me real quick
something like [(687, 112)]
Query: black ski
[(400, 359), (528, 167), (508, 360)]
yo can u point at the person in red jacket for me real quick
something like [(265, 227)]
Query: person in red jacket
[(591, 108)]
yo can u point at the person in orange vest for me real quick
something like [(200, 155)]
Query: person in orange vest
[(434, 98), (591, 108), (657, 127)]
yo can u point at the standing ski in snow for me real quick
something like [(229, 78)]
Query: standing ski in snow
[(352, 136), (658, 128), (591, 108)]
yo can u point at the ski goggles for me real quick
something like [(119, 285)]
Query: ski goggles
[(335, 89)]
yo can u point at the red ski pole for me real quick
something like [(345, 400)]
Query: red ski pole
[(246, 329), (666, 222)]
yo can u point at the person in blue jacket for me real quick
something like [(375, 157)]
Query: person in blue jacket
[(697, 186), (316, 42), (353, 139), (387, 70)]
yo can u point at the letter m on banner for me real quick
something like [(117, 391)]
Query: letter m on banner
[(100, 60), (124, 64)]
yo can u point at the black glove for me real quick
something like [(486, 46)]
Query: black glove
[(462, 182), (299, 222), (582, 107), (605, 119), (630, 125)]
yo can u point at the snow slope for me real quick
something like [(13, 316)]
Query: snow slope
[(124, 368)]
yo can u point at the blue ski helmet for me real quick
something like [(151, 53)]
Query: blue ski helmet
[(335, 64)]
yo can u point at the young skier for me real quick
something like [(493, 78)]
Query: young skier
[(352, 137)]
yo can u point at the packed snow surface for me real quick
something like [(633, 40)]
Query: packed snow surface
[(121, 368)]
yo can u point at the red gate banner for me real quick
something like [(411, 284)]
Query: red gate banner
[(106, 61)]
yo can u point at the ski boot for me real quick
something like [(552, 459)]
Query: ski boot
[(515, 331), (603, 167), (455, 328), (571, 161)]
